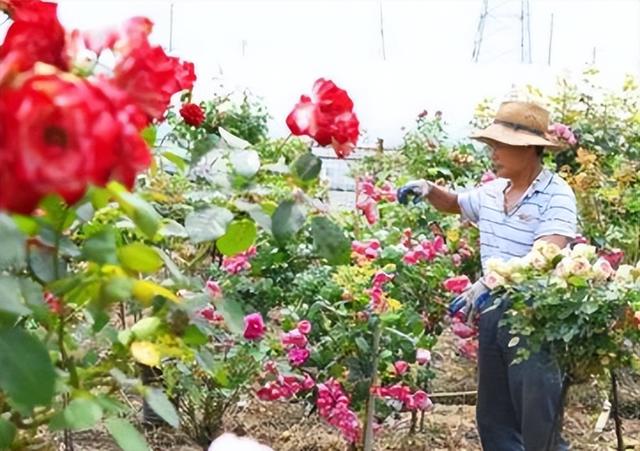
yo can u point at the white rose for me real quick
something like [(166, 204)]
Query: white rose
[(548, 250), (563, 268), (579, 266), (583, 250), (516, 277), (493, 280), (537, 260), (624, 274)]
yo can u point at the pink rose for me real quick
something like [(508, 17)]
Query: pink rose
[(304, 327), (400, 367), (254, 328), (294, 338), (297, 356), (457, 284)]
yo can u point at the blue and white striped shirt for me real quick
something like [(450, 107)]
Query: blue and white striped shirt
[(548, 207)]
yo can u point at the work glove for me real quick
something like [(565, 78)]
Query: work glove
[(417, 189), (468, 303)]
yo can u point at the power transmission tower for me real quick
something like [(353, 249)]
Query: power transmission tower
[(504, 27)]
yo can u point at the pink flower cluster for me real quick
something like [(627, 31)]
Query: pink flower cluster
[(376, 292), (333, 406), (295, 342), (423, 251), (283, 387), (564, 133), (369, 249), (419, 400), (240, 262), (368, 195)]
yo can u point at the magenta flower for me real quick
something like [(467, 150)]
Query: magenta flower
[(254, 328)]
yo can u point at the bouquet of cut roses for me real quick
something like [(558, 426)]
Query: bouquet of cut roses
[(573, 303)]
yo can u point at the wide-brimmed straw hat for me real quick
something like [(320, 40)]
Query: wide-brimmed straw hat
[(519, 124)]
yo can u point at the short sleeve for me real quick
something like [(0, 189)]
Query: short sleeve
[(469, 202), (560, 215)]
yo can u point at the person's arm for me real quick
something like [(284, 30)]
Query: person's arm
[(443, 200), (559, 220)]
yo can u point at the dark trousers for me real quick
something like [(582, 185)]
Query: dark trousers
[(517, 403)]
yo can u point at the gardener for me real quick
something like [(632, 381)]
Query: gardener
[(517, 403)]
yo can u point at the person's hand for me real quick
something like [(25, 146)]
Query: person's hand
[(418, 189), (469, 301)]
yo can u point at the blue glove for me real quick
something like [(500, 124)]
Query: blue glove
[(470, 301), (417, 189)]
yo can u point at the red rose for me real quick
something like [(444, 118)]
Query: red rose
[(151, 77), (35, 35), (131, 155), (613, 256), (53, 133), (59, 133), (192, 114), (327, 117)]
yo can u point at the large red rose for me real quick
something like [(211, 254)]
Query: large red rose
[(35, 35), (327, 116), (59, 133)]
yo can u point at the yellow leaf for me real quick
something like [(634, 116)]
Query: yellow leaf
[(145, 290), (145, 352)]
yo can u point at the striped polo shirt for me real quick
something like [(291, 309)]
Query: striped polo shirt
[(548, 207)]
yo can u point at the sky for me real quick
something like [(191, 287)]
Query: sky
[(277, 49)]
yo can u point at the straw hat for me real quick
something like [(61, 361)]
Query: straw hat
[(519, 124)]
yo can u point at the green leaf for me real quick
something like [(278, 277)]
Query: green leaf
[(7, 433), (81, 414), (149, 135), (287, 220), (11, 301), (193, 336), (12, 244), (140, 258), (41, 262), (126, 436), (117, 288), (137, 209), (363, 346), (162, 406), (177, 160), (240, 236), (307, 167), (101, 247), (245, 162), (146, 327), (577, 281), (172, 228), (208, 224), (257, 213), (27, 374), (330, 241), (232, 314)]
